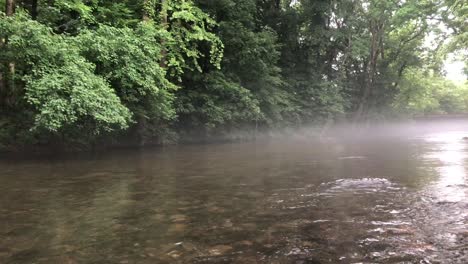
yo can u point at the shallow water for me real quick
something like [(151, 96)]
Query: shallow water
[(396, 194)]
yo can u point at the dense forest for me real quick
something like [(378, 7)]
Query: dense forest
[(83, 72)]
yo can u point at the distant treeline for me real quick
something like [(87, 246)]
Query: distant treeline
[(82, 72)]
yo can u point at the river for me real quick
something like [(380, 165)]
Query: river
[(392, 194)]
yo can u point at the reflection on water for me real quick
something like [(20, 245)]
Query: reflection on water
[(451, 151), (444, 214), (385, 199)]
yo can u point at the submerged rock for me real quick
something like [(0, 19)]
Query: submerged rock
[(216, 209), (179, 218), (174, 254), (227, 223), (176, 228), (189, 247), (159, 217), (249, 226), (308, 244), (246, 243), (219, 250)]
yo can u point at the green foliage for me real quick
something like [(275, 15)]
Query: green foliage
[(141, 84), (72, 93), (189, 30), (90, 66), (60, 85), (250, 62), (215, 102), (158, 69), (118, 13), (428, 93)]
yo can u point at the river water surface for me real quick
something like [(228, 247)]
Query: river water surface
[(394, 194)]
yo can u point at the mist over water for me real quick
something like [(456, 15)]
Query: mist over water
[(387, 193)]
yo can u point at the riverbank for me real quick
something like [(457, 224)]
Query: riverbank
[(341, 128)]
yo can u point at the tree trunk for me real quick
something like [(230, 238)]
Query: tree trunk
[(2, 90), (164, 12), (10, 11), (34, 11), (10, 7), (164, 22), (6, 78), (400, 75), (146, 16), (376, 38), (140, 117), (278, 4)]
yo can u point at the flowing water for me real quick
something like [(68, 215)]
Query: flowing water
[(397, 194)]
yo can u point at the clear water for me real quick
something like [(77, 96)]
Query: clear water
[(396, 194)]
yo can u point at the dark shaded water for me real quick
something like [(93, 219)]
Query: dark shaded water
[(393, 195)]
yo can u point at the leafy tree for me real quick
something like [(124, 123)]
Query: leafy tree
[(141, 84), (249, 68), (60, 85), (426, 92)]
